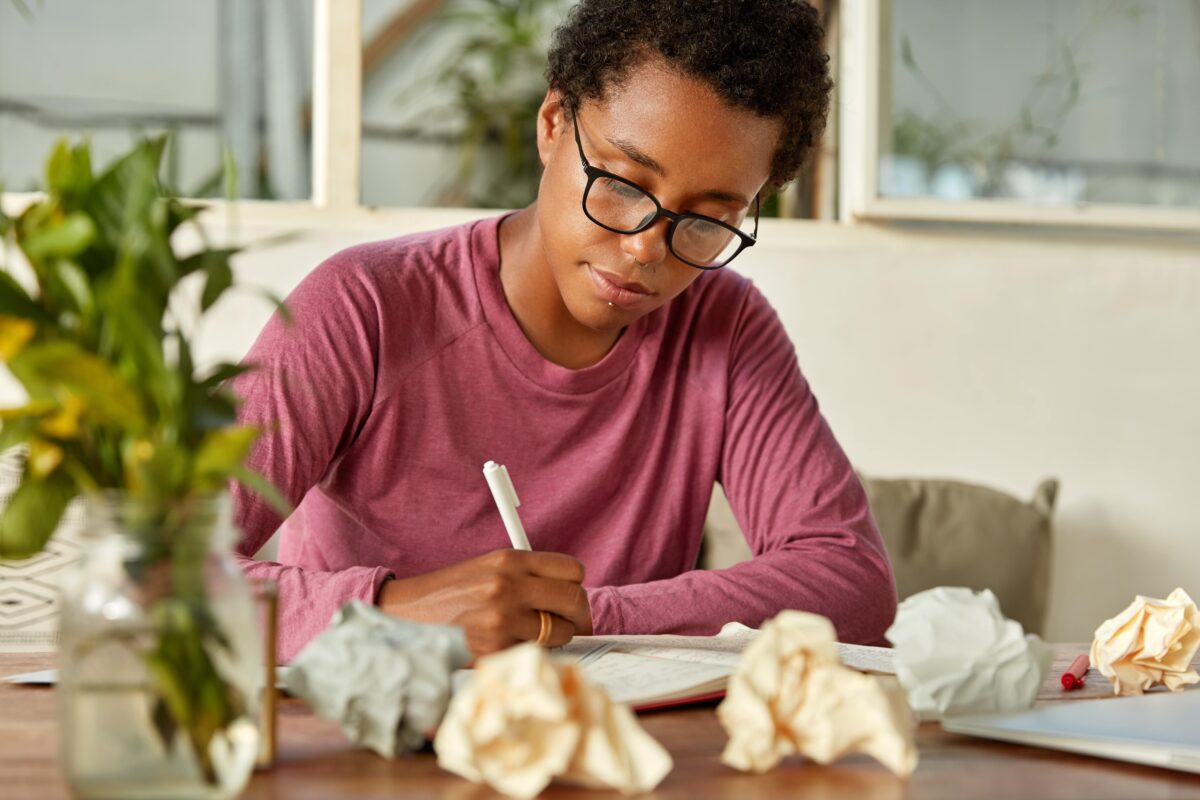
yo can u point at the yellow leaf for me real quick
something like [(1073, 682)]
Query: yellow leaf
[(44, 458), (64, 423), (20, 412), (15, 333), (143, 450)]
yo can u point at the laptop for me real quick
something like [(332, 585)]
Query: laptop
[(1161, 729)]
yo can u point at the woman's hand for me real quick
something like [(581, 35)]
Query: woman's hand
[(496, 598)]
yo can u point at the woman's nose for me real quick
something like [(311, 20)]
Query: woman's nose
[(648, 246)]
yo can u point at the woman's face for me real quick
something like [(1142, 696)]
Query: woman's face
[(672, 136)]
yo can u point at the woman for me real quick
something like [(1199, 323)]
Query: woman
[(598, 345)]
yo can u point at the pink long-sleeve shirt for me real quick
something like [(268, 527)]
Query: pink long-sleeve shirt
[(404, 371)]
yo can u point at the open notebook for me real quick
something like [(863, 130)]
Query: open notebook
[(656, 671), (651, 671)]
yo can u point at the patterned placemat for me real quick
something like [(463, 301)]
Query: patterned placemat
[(30, 589)]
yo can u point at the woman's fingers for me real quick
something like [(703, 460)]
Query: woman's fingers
[(558, 630), (562, 598), (496, 598), (544, 564)]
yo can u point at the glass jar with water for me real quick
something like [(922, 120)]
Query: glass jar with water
[(159, 654)]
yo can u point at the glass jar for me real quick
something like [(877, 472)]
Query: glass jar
[(159, 654)]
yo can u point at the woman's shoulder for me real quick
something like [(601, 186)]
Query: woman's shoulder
[(404, 297), (414, 262), (403, 277)]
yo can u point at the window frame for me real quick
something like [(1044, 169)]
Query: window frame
[(337, 104), (861, 117)]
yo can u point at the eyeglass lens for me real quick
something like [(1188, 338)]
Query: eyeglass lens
[(627, 208)]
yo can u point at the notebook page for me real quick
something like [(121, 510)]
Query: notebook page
[(725, 649), (639, 680)]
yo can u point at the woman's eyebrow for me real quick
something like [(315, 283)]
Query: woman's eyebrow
[(726, 197), (638, 156)]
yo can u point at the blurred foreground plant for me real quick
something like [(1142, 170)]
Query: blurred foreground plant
[(98, 336)]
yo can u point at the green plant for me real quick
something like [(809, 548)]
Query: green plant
[(101, 344), (494, 74)]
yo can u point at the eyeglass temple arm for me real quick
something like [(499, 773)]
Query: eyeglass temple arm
[(578, 142)]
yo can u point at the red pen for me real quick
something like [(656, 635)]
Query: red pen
[(1076, 675)]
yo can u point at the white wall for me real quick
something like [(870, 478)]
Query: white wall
[(112, 58), (951, 353), (1002, 361)]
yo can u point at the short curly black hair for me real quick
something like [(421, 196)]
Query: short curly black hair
[(767, 56)]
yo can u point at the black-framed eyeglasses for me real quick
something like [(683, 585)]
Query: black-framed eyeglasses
[(621, 206)]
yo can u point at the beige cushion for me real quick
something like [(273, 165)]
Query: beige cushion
[(948, 533), (940, 533)]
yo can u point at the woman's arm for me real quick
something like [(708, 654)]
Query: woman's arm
[(310, 389), (311, 392), (794, 493)]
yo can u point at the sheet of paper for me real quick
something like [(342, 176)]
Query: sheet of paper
[(699, 649), (725, 649), (43, 677), (640, 679), (867, 659)]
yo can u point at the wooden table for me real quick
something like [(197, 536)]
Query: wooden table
[(316, 761)]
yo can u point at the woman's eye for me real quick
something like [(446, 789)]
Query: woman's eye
[(622, 189), (700, 227)]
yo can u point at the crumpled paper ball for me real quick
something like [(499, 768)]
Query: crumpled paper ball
[(791, 694), (523, 720), (386, 680), (1152, 641), (955, 653)]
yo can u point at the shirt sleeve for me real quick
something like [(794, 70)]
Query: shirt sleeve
[(310, 390), (795, 495)]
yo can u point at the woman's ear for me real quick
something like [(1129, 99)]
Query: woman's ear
[(551, 124)]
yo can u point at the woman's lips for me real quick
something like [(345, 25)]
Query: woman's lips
[(619, 293)]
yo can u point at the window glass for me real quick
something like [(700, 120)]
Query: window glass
[(229, 79), (1049, 101)]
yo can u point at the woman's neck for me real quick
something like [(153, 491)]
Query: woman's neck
[(536, 303)]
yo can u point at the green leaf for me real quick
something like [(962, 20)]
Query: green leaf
[(159, 471), (258, 484), (49, 369), (63, 239), (220, 278), (180, 213), (32, 514), (16, 302), (223, 372), (906, 53), (164, 724), (121, 204), (185, 676), (204, 260), (280, 307), (230, 169), (223, 451), (69, 169), (75, 281), (19, 425)]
